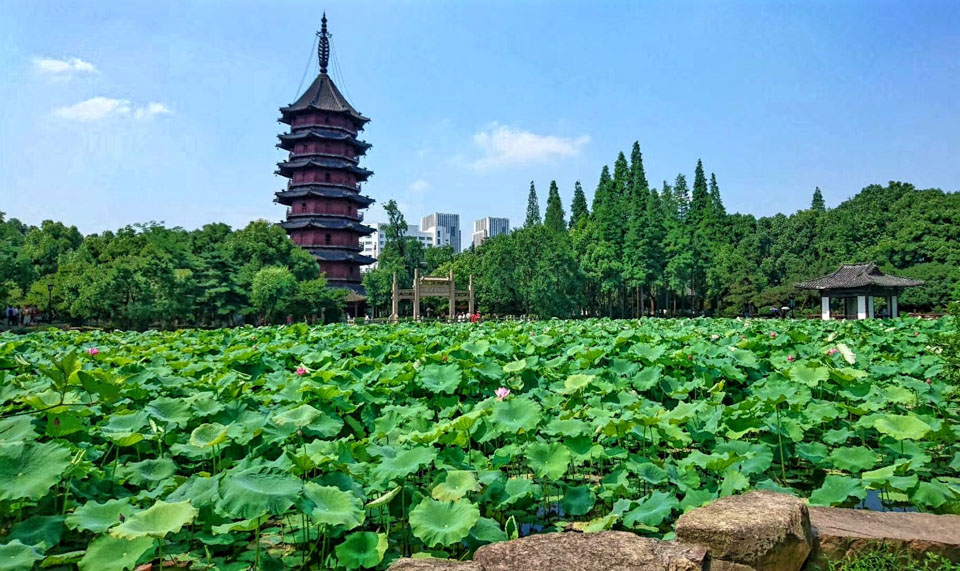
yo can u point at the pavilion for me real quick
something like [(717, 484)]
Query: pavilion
[(857, 285)]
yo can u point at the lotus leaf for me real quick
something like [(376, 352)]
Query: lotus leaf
[(107, 553), (362, 550), (15, 556), (97, 517), (156, 521), (333, 506), (30, 470), (443, 523), (441, 378), (251, 493), (456, 485)]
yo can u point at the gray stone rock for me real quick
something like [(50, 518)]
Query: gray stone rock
[(762, 530), (844, 532), (606, 551), (428, 564)]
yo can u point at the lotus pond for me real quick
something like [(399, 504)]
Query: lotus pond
[(348, 447)]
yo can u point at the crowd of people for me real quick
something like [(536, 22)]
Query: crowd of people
[(21, 317)]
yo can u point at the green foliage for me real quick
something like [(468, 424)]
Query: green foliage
[(554, 217), (533, 209), (393, 442)]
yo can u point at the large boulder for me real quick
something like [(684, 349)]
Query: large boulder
[(761, 530), (605, 551), (844, 532), (430, 564)]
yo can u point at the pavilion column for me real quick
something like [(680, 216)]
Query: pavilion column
[(861, 307), (893, 306), (870, 312), (395, 304), (825, 308), (416, 294), (453, 298)]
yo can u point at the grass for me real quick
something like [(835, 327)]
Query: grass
[(885, 558)]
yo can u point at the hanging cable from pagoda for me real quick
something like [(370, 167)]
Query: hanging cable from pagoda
[(323, 47)]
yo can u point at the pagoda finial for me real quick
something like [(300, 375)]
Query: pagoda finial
[(323, 48)]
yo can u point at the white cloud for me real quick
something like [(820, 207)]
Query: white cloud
[(151, 109), (94, 109), (419, 186), (62, 68), (502, 145), (100, 108)]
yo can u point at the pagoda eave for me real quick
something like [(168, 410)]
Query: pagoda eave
[(327, 222), (294, 193)]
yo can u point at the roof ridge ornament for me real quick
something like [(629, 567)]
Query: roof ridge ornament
[(323, 47)]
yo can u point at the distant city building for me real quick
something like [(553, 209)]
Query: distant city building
[(373, 244), (444, 228), (488, 228)]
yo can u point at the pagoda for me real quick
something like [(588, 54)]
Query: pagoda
[(323, 200)]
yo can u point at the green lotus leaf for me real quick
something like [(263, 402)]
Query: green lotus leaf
[(486, 530), (15, 556), (902, 427), (648, 353), (577, 500), (548, 460), (242, 525), (733, 481), (252, 493), (515, 366), (576, 382), (333, 506), (404, 463), (516, 489), (647, 378), (456, 485), (836, 489), (68, 558), (384, 499), (300, 416), (596, 525), (17, 429), (443, 523), (61, 424), (107, 553), (933, 495), (208, 435), (40, 531), (149, 471), (695, 499), (652, 510), (441, 378), (515, 415), (29, 470), (854, 458), (124, 429), (651, 473), (201, 491), (510, 528), (477, 348), (171, 411), (156, 521), (97, 517), (809, 376), (847, 354), (568, 427), (362, 550)]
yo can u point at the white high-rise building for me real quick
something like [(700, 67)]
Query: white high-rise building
[(488, 228), (373, 244), (444, 228)]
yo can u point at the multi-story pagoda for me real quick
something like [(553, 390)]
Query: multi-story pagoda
[(324, 204)]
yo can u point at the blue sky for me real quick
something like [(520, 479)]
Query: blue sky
[(113, 113)]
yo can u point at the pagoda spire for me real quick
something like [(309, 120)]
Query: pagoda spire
[(323, 48)]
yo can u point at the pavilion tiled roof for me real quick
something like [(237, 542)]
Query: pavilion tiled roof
[(327, 224), (851, 276), (323, 134), (324, 96), (332, 255), (285, 167), (294, 192)]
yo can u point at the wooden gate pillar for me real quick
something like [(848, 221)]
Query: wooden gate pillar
[(395, 304), (470, 291), (416, 294)]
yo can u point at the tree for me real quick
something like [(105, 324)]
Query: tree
[(817, 203), (533, 208), (578, 208), (554, 217), (273, 288)]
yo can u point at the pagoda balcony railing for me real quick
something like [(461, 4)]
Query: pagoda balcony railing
[(358, 216), (323, 246)]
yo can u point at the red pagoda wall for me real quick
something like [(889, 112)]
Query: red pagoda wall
[(320, 175), (318, 237), (323, 120), (324, 206)]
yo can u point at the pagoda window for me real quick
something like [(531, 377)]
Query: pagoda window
[(303, 207), (326, 176), (327, 238)]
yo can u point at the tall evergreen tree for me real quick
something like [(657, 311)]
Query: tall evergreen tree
[(602, 198), (718, 207), (700, 200), (639, 186), (681, 196), (578, 208), (533, 208), (553, 218), (818, 204)]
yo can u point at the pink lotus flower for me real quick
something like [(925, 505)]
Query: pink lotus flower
[(773, 334), (790, 358), (689, 357), (502, 393), (93, 351), (301, 371), (831, 351), (928, 381), (743, 337), (916, 333), (714, 336)]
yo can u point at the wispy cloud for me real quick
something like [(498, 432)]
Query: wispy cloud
[(502, 145), (419, 186), (62, 68), (100, 108)]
